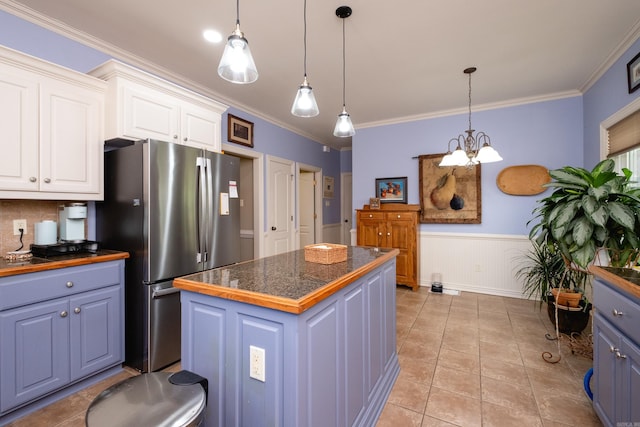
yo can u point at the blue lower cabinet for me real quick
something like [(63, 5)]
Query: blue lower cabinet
[(332, 365), (47, 344), (616, 355)]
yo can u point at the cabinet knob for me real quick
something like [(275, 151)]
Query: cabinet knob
[(380, 233), (388, 234), (33, 179), (612, 349), (398, 215), (617, 313), (76, 310), (370, 216), (69, 284), (64, 313), (47, 180), (185, 139), (175, 136), (620, 355)]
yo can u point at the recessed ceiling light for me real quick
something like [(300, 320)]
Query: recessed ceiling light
[(212, 36)]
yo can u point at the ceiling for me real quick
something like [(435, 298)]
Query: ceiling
[(404, 58)]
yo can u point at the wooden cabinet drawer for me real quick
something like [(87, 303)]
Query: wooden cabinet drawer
[(619, 309), (407, 216), (372, 215)]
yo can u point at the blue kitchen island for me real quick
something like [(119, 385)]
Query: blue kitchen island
[(286, 342)]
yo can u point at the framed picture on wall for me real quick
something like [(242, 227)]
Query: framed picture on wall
[(391, 190), (449, 194), (633, 73), (239, 131)]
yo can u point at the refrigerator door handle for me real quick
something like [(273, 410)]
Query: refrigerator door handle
[(209, 210), (201, 209), (164, 292)]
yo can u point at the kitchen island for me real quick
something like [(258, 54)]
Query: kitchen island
[(286, 342)]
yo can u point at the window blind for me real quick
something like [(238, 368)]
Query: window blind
[(624, 135)]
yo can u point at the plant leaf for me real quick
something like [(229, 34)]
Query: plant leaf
[(584, 254), (566, 177), (582, 231), (622, 214)]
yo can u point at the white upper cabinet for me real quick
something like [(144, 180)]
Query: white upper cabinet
[(140, 106), (52, 123)]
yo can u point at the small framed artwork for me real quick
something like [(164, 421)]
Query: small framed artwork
[(391, 190), (374, 203), (327, 187), (239, 131), (633, 73)]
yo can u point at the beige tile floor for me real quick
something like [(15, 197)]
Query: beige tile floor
[(466, 360), (476, 360)]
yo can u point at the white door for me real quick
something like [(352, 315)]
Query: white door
[(347, 207), (280, 225), (306, 191)]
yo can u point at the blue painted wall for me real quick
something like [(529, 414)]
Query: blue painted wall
[(546, 133)]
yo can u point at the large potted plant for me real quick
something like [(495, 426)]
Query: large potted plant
[(590, 216), (544, 271)]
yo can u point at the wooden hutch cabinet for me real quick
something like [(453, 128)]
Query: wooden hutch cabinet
[(393, 226)]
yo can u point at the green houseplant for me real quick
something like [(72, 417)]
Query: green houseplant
[(590, 211), (588, 214)]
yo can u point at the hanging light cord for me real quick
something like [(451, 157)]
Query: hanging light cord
[(304, 37), (469, 101), (237, 12), (344, 67)]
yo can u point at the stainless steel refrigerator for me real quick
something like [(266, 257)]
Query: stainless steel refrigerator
[(175, 209)]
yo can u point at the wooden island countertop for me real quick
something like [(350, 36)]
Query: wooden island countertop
[(285, 282)]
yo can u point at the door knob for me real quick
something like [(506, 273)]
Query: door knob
[(273, 229)]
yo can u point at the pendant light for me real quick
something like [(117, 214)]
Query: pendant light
[(236, 64), (344, 127), (470, 150), (304, 105)]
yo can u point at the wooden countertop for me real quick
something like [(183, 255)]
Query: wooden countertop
[(285, 282), (41, 264), (626, 279)]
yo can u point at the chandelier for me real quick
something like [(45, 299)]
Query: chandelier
[(470, 150)]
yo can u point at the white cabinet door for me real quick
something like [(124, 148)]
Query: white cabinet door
[(70, 139), (200, 128), (19, 124), (148, 114)]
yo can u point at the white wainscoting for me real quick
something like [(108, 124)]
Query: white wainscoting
[(483, 263)]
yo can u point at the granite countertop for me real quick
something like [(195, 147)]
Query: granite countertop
[(626, 279), (36, 264), (285, 282)]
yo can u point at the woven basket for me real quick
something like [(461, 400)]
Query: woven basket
[(325, 253)]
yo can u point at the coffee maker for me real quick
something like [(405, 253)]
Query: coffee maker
[(72, 222)]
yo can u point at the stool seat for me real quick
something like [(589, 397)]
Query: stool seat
[(148, 400)]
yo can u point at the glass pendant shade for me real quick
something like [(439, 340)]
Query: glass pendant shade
[(304, 105), (236, 64), (344, 127)]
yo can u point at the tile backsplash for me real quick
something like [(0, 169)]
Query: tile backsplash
[(31, 210)]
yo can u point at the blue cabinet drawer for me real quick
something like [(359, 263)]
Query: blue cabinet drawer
[(617, 308), (30, 288)]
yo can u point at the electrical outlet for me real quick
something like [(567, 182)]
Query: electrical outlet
[(256, 363), (17, 225)]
